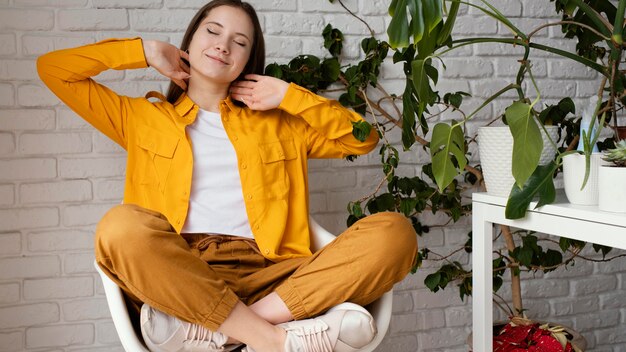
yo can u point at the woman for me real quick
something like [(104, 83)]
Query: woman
[(213, 235)]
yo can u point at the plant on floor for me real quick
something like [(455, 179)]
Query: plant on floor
[(419, 36)]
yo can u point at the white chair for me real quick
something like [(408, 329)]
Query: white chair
[(380, 309)]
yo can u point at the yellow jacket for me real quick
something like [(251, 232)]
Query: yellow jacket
[(272, 147)]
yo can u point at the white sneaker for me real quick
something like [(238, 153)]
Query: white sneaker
[(165, 333), (347, 327)]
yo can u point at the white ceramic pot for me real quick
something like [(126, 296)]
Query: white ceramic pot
[(574, 174), (612, 189), (495, 145)]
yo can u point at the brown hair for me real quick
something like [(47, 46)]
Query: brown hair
[(256, 62)]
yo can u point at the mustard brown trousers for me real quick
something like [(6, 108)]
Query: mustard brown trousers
[(200, 277)]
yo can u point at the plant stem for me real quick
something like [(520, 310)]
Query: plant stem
[(516, 287)]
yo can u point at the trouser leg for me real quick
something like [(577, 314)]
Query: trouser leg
[(141, 252), (359, 266)]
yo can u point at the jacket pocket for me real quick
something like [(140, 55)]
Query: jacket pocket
[(274, 175), (157, 150)]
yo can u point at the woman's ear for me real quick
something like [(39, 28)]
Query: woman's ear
[(185, 60)]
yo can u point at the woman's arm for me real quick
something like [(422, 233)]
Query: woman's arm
[(325, 124), (68, 74)]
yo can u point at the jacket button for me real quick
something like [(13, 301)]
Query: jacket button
[(249, 196), (267, 251), (244, 166), (235, 138)]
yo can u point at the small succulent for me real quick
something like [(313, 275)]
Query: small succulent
[(617, 155)]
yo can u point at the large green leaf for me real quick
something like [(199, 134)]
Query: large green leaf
[(420, 79), (540, 183), (412, 18), (447, 141), (527, 141)]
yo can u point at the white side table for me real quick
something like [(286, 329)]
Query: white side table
[(584, 223)]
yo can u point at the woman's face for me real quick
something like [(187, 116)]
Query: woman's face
[(221, 46)]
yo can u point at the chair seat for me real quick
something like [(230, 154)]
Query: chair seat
[(380, 309)]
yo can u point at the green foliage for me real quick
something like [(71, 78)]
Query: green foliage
[(617, 155)]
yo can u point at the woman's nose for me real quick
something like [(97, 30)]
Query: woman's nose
[(222, 47)]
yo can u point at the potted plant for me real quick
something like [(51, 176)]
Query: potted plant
[(418, 36), (612, 180)]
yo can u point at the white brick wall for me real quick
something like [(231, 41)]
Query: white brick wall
[(58, 176)]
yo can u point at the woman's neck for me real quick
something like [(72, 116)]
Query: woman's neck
[(207, 95)]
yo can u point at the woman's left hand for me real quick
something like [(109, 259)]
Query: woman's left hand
[(259, 92)]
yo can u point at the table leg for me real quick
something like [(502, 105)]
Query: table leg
[(482, 282)]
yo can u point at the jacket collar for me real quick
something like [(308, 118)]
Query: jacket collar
[(184, 105)]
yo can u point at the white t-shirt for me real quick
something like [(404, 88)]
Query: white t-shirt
[(216, 202)]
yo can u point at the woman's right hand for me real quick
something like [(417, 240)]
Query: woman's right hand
[(168, 61)]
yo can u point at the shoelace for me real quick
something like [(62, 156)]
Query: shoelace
[(196, 334), (313, 339)]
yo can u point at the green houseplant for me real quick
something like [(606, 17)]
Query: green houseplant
[(612, 179), (419, 36)]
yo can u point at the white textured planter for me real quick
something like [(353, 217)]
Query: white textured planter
[(574, 174), (495, 145), (612, 189)]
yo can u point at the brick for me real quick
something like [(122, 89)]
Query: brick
[(26, 19), (596, 284), (35, 45), (27, 169), (10, 243), (160, 21), (402, 302), (9, 293), (79, 263), (468, 25), (545, 288), (59, 240), (86, 309), (7, 95), (28, 218), (7, 44), (93, 19), (106, 333), (55, 192), (458, 316), (30, 119), (11, 341), (134, 4), (60, 335), (566, 306), (562, 69), (29, 267), (468, 68), (7, 143), (441, 338), (110, 189), (57, 143), (28, 315), (78, 215), (185, 4), (319, 181), (69, 120), (374, 7), (402, 323), (350, 25), (283, 47), (538, 9), (615, 335), (294, 24), (7, 194), (510, 8), (35, 95), (51, 3), (103, 144), (328, 7), (19, 70), (425, 299), (66, 287), (92, 167), (595, 320)]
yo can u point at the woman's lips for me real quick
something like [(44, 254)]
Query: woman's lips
[(215, 58)]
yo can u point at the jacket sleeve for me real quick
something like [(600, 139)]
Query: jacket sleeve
[(68, 74), (325, 124)]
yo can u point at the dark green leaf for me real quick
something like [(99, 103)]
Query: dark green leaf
[(540, 182)]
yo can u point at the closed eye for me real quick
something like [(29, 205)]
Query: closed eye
[(210, 31)]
